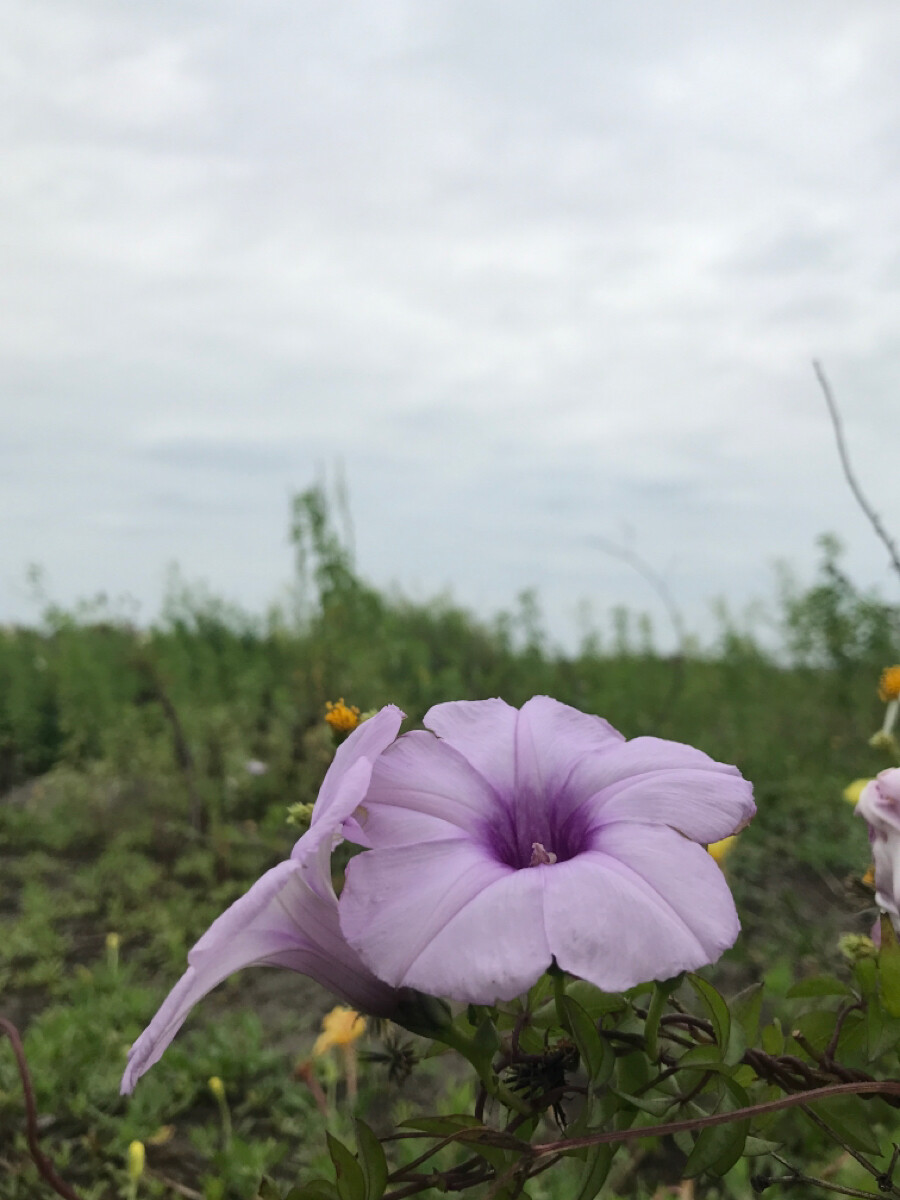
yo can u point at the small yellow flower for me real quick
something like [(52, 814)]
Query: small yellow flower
[(164, 1134), (216, 1086), (343, 718), (889, 684), (721, 850), (853, 791), (135, 1161), (341, 1027)]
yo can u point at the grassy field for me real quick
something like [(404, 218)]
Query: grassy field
[(131, 814)]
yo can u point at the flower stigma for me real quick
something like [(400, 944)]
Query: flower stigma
[(541, 857)]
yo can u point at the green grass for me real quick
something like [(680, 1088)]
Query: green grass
[(127, 809)]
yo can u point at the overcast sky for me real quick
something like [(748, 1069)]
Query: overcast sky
[(532, 273)]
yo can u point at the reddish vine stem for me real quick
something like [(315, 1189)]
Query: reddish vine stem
[(43, 1164), (888, 1087)]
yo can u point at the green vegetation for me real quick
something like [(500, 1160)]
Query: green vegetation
[(127, 808)]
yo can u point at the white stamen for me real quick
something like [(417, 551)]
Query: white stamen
[(540, 856)]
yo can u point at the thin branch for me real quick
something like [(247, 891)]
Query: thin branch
[(871, 515), (653, 577), (798, 1177), (32, 1134)]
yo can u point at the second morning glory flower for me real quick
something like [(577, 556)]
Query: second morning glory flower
[(879, 803), (506, 839)]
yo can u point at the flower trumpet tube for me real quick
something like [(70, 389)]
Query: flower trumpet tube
[(505, 839), (289, 917)]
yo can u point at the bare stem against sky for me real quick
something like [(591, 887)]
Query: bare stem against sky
[(871, 514)]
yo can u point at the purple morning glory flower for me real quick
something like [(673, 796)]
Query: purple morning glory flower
[(508, 838), (289, 918)]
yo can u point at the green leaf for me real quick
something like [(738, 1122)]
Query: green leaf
[(314, 1189), (707, 1057), (267, 1190), (818, 1027), (882, 1031), (850, 1119), (756, 1145), (632, 1072), (596, 1054), (594, 1002), (866, 972), (746, 1008), (656, 1106), (351, 1184), (718, 1147), (372, 1161), (486, 1041), (442, 1126), (716, 1008), (819, 985), (889, 968), (596, 1168), (773, 1038)]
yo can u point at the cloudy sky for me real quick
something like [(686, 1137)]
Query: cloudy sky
[(531, 274)]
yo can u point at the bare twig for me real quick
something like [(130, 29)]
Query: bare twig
[(659, 585), (798, 1177), (653, 577), (871, 515), (43, 1164), (174, 1186)]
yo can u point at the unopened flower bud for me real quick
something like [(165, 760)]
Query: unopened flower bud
[(217, 1087), (135, 1160), (856, 946)]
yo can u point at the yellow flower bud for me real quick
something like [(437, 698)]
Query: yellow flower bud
[(853, 791), (135, 1161), (217, 1087)]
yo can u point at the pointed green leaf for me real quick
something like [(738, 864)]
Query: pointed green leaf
[(866, 972), (372, 1161), (596, 1053), (350, 1182), (819, 985), (850, 1119), (746, 1008), (716, 1008), (596, 1168), (756, 1146), (442, 1126), (773, 1038), (314, 1189), (718, 1147)]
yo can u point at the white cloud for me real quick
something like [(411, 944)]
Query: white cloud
[(533, 273)]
